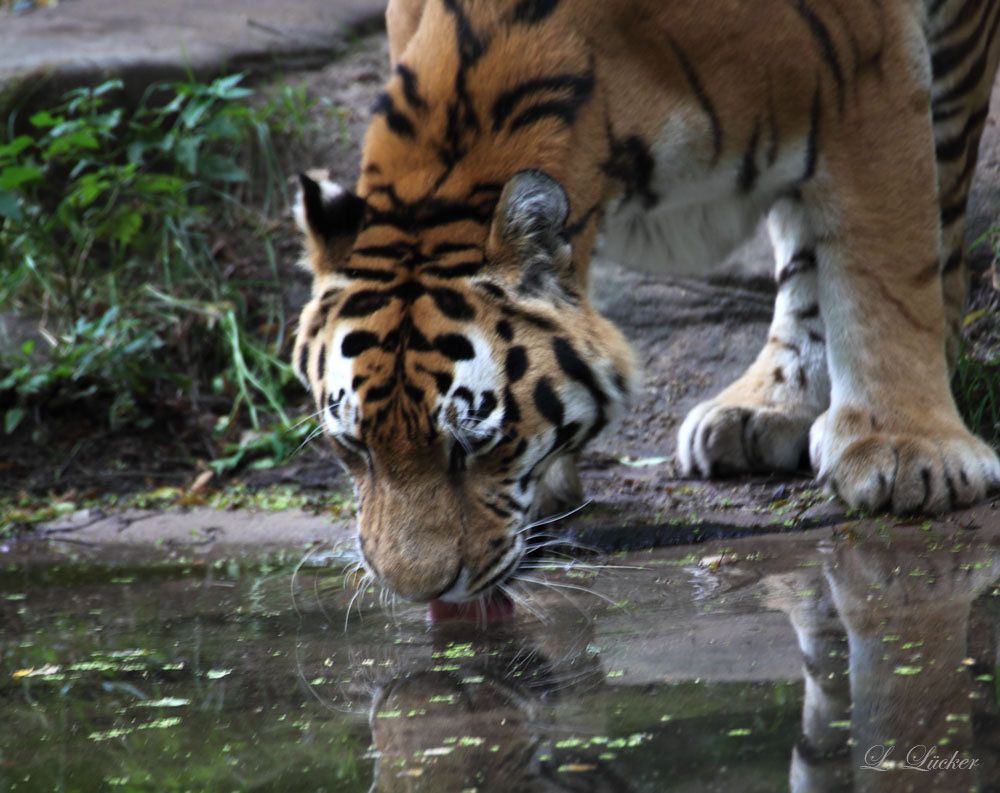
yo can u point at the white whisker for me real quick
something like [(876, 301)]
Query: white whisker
[(554, 518), (560, 585)]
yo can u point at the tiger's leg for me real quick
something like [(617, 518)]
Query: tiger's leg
[(892, 436), (965, 51), (761, 422)]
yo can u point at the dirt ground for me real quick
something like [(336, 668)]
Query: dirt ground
[(691, 336)]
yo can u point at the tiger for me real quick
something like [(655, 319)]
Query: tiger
[(455, 360)]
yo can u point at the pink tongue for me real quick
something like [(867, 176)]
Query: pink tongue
[(498, 607)]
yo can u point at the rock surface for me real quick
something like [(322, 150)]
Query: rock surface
[(142, 42)]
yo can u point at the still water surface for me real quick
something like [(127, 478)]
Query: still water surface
[(806, 662)]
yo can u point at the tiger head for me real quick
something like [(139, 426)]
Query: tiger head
[(458, 368)]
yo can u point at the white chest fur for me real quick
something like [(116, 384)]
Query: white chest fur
[(702, 211)]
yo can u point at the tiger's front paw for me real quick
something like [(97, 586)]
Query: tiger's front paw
[(907, 466), (719, 438)]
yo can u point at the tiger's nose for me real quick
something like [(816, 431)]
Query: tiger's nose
[(415, 569)]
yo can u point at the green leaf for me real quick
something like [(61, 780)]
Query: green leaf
[(187, 153), (91, 187), (10, 207), (45, 119), (226, 88), (194, 112), (111, 85), (12, 418), (215, 167), (126, 227), (16, 146), (18, 175), (159, 183), (74, 141), (136, 151)]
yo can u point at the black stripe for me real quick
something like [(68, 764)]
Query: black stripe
[(395, 251), (321, 363), (702, 97), (578, 226), (368, 274), (493, 290), (575, 368), (531, 12), (415, 393), (630, 162), (951, 150), (470, 48), (500, 513), (826, 46), (960, 19), (565, 110), (452, 304), (527, 316), (941, 115), (547, 402), (396, 121), (801, 262), (946, 59), (442, 381), (333, 404), (487, 404), (579, 86), (810, 312), (500, 576), (363, 303), (953, 263), (455, 347), (511, 410), (429, 214), (977, 71), (409, 80), (952, 212), (444, 248), (378, 393), (517, 364), (748, 170), (358, 341), (519, 450), (464, 394), (463, 270)]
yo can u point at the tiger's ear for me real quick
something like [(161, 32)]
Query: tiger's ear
[(528, 233), (330, 217)]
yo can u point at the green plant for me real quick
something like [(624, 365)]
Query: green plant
[(977, 391), (140, 242)]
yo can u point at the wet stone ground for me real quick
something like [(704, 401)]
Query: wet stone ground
[(804, 660)]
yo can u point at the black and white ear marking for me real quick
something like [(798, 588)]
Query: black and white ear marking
[(330, 216), (528, 229), (325, 210), (532, 212)]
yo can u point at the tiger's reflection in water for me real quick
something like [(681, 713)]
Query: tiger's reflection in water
[(471, 716), (899, 650), (899, 644)]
